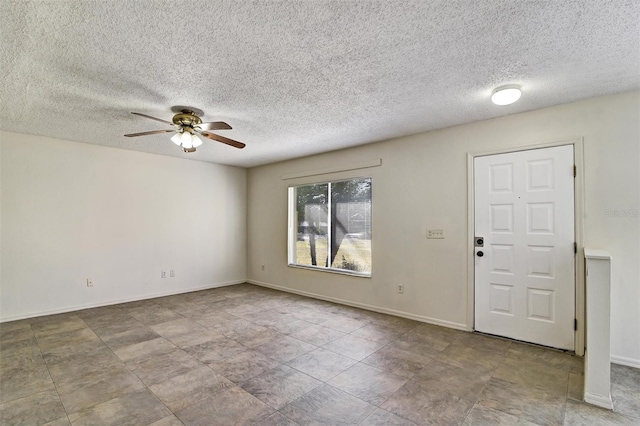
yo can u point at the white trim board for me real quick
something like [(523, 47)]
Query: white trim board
[(335, 169), (394, 312), (116, 302), (628, 362), (598, 400)]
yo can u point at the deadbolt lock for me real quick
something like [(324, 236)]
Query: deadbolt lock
[(479, 241)]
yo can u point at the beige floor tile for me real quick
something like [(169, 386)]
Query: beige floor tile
[(184, 390), (35, 409), (146, 349), (155, 314), (526, 373), (215, 350), (232, 407), (397, 361), (368, 383), (279, 386), (433, 405), (290, 326), (625, 390), (321, 364), (66, 338), (343, 323), (484, 416), (252, 335), (326, 405), (159, 368), (576, 386), (353, 347), (168, 421), (475, 360), (97, 387), (63, 421), (20, 382), (75, 353), (377, 333), (137, 408), (136, 334), (243, 365), (531, 404), (545, 356), (579, 414), (421, 344), (21, 357), (317, 335), (276, 419), (464, 383), (284, 348), (46, 326), (14, 333), (381, 417)]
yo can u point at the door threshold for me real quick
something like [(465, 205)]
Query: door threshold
[(566, 351)]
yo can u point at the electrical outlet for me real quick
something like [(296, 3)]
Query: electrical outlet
[(172, 273), (435, 233), (400, 288), (89, 282), (262, 267), (163, 274)]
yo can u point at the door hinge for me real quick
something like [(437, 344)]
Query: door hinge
[(575, 324), (575, 170), (575, 248)]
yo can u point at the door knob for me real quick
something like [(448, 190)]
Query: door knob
[(480, 253)]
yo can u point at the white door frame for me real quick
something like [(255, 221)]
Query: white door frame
[(578, 153)]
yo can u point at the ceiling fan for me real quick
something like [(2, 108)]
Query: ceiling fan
[(187, 125)]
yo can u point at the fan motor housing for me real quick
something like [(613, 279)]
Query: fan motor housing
[(186, 118)]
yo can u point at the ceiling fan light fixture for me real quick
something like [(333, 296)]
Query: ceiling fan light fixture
[(506, 95)]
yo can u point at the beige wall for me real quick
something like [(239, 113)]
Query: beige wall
[(422, 184), (70, 211)]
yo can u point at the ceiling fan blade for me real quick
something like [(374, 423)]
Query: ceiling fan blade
[(222, 139), (153, 118), (153, 132), (215, 125)]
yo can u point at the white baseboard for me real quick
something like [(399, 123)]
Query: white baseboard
[(629, 362), (115, 302), (382, 310), (599, 400)]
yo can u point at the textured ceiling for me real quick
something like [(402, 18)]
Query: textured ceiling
[(295, 78)]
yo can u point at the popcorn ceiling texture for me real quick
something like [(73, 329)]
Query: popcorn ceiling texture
[(300, 77)]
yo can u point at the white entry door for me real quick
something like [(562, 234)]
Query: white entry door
[(524, 265)]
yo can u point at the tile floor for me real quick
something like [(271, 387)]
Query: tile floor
[(249, 355)]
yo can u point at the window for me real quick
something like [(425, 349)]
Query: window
[(330, 226)]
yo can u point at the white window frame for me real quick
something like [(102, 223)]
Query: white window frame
[(292, 230)]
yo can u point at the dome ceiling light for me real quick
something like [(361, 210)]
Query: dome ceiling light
[(506, 95)]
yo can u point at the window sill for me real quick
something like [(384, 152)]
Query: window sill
[(332, 271)]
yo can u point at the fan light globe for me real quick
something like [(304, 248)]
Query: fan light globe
[(186, 140), (195, 141), (176, 139), (506, 95)]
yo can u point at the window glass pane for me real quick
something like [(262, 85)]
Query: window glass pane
[(333, 226), (351, 225), (313, 223)]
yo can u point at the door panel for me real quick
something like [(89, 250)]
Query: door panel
[(524, 282)]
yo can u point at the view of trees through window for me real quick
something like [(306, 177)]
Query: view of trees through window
[(334, 225)]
